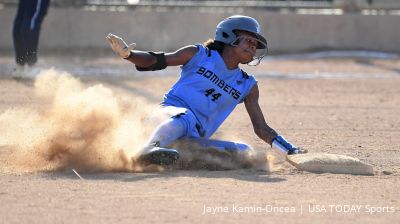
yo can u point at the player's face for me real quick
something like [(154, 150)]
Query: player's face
[(245, 46)]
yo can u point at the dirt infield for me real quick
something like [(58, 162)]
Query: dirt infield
[(341, 106)]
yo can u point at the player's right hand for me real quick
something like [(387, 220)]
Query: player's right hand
[(119, 46)]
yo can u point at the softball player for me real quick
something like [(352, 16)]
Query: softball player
[(210, 86)]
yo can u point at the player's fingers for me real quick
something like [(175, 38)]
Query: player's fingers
[(110, 36), (131, 46), (114, 41), (109, 40)]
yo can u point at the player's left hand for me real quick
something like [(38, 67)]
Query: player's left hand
[(119, 46), (285, 146)]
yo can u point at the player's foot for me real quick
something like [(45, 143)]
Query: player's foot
[(32, 71), (297, 151), (159, 156), (18, 72)]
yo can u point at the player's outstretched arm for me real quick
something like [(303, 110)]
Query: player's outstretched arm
[(261, 128), (150, 61)]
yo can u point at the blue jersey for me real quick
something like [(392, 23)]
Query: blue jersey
[(209, 89)]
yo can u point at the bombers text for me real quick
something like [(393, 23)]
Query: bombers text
[(219, 82)]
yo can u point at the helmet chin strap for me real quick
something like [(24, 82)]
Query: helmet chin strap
[(258, 59)]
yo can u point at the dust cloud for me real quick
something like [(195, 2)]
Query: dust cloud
[(86, 128), (90, 129)]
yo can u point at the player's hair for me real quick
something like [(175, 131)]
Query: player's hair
[(214, 45)]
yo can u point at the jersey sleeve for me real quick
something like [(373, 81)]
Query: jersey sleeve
[(250, 82), (201, 53)]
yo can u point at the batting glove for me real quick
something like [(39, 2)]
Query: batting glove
[(119, 46), (283, 145)]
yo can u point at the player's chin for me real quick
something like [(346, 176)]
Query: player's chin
[(247, 59), (248, 55)]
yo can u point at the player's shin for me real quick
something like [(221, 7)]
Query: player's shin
[(165, 134)]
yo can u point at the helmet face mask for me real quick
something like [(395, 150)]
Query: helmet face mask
[(226, 32)]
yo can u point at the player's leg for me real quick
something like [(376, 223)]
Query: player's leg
[(165, 134), (18, 34), (168, 131), (221, 145), (36, 18)]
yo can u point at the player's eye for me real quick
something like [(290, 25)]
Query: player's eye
[(251, 41)]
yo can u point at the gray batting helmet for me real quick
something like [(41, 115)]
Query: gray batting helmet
[(225, 29)]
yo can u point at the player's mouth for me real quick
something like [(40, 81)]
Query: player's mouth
[(250, 52)]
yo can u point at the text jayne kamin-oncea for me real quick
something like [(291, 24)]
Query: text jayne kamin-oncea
[(247, 209)]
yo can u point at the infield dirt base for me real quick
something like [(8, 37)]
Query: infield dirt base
[(358, 117)]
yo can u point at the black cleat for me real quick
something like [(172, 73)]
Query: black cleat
[(159, 156)]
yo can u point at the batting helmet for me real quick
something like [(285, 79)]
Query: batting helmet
[(225, 31)]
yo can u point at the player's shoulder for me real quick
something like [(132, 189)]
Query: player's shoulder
[(201, 49), (189, 50), (195, 53), (246, 75)]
